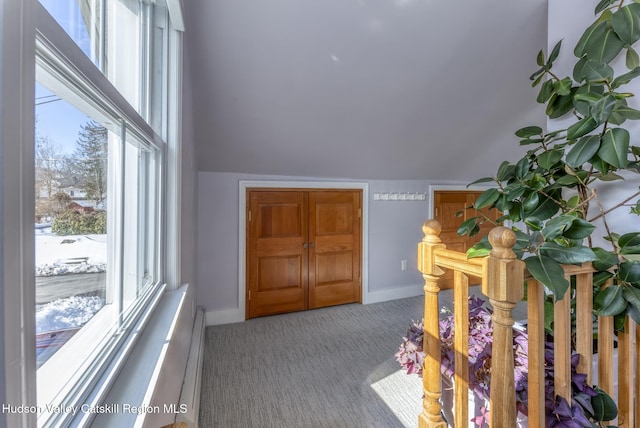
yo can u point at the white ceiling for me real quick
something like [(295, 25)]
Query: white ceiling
[(362, 89)]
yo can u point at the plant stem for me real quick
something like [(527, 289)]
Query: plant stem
[(604, 221), (621, 204)]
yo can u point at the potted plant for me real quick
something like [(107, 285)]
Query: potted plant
[(552, 194)]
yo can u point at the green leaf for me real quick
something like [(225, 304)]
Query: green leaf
[(604, 259), (592, 32), (559, 105), (583, 151), (604, 408), (467, 226), (531, 202), (529, 131), (614, 147), (629, 240), (609, 302), (623, 112), (585, 96), (632, 295), (548, 317), (527, 141), (567, 255), (563, 87), (623, 79), (554, 53), (604, 46), (545, 210), (549, 158), (582, 127), (522, 167), (611, 176), (480, 249), (554, 227), (505, 171), (481, 180), (632, 60), (579, 229), (603, 108), (487, 198), (592, 72), (634, 313), (540, 58), (629, 272), (548, 272), (626, 23), (600, 278), (603, 5), (514, 190), (534, 223), (545, 92)]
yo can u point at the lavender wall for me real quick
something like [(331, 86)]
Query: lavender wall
[(394, 230)]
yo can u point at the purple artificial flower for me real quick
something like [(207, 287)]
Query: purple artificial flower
[(558, 412)]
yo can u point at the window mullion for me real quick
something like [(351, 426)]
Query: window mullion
[(119, 286)]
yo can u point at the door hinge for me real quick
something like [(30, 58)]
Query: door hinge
[(249, 295), (436, 213), (359, 212), (249, 216)]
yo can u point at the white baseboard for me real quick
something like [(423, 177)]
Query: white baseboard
[(224, 316), (190, 394), (393, 294), (228, 316)]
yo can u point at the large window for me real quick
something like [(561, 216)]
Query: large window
[(99, 168)]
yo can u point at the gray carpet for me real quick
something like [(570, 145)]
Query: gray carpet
[(330, 367)]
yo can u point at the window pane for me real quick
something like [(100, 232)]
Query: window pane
[(71, 218), (83, 21), (96, 240)]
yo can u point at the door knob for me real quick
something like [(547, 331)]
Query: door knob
[(313, 245), (305, 245)]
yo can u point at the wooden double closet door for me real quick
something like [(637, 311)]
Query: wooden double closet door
[(303, 249)]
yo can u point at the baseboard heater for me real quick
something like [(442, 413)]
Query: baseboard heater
[(190, 395)]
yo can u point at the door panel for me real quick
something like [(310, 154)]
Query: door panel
[(446, 205), (334, 253), (277, 260), (303, 249)]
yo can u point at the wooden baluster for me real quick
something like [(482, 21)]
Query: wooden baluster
[(605, 352), (626, 368), (461, 347), (535, 330), (584, 324), (504, 287), (562, 346), (431, 416)]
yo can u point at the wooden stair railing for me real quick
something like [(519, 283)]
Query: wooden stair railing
[(503, 278)]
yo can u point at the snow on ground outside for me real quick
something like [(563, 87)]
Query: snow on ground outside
[(59, 255), (72, 312)]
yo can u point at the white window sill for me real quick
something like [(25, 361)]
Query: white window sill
[(63, 375), (129, 400)]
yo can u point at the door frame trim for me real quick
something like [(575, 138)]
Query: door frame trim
[(286, 184)]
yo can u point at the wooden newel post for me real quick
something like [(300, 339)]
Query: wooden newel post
[(504, 287), (431, 416)]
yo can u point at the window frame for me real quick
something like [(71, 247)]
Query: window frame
[(63, 65)]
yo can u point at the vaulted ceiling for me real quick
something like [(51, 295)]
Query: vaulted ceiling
[(362, 89)]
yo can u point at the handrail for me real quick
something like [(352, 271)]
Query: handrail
[(503, 277)]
